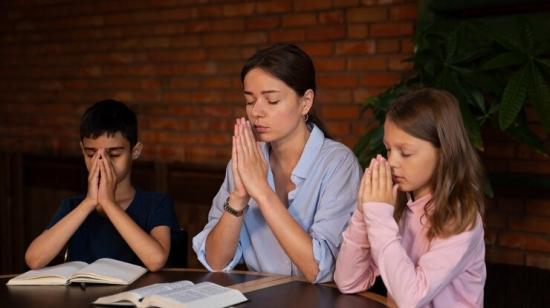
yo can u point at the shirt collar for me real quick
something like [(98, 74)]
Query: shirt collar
[(309, 154), (418, 203)]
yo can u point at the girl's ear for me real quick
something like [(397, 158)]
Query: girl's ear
[(307, 101), (136, 151)]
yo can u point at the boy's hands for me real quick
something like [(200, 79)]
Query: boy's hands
[(93, 181), (108, 180), (377, 184)]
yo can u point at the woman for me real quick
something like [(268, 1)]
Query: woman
[(286, 199)]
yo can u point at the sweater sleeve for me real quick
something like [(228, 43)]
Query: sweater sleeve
[(416, 285), (355, 270)]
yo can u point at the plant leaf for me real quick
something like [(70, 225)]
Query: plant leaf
[(521, 131), (506, 59), (513, 98), (539, 95)]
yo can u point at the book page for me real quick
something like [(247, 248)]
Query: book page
[(133, 297), (51, 275), (204, 295), (109, 271)]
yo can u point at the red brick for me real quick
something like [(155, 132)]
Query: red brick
[(299, 20), (404, 12), (400, 64), (333, 96), (262, 23), (227, 25), (530, 224), (207, 11), (506, 256), (387, 46), (337, 81), (538, 167), (380, 79), (490, 237), (391, 29), (538, 260), (241, 9), (274, 7), (345, 3), (500, 150), (251, 38), (358, 31), (216, 83), (407, 46), (355, 48), (186, 55), (318, 49), (289, 36), (525, 241), (331, 17), (496, 220), (330, 64), (307, 5), (367, 64), (369, 14), (338, 128), (538, 207), (339, 112), (217, 40), (326, 33), (183, 83), (511, 205)]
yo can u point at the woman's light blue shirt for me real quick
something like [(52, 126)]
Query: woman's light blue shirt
[(326, 181)]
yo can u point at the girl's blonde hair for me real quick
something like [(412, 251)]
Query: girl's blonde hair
[(434, 115)]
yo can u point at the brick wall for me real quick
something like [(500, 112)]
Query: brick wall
[(177, 63)]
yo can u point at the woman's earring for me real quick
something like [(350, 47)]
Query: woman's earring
[(306, 117)]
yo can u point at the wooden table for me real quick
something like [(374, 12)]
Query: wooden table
[(262, 290)]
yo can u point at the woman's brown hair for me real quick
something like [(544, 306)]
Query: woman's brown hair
[(457, 198)]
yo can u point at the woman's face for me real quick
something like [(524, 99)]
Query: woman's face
[(273, 108)]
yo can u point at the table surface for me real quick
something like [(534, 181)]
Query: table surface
[(262, 290)]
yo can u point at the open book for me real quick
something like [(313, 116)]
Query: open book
[(107, 271), (176, 294)]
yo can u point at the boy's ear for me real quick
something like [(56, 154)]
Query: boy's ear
[(136, 151)]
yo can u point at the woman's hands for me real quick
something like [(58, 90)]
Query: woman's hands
[(248, 163), (377, 184)]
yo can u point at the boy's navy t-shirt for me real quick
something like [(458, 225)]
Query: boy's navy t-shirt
[(97, 237)]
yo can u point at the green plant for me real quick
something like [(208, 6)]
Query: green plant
[(497, 68)]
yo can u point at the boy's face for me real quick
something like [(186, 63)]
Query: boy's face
[(116, 148)]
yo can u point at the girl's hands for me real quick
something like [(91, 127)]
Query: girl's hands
[(377, 184), (250, 164)]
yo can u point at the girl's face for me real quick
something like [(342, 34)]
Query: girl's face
[(273, 108), (412, 160)]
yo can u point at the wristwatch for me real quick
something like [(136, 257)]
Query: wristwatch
[(227, 207)]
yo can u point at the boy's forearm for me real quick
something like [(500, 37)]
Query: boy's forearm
[(150, 250), (48, 244)]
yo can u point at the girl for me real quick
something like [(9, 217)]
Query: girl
[(418, 221), (284, 202)]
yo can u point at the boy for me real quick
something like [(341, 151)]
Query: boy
[(113, 220)]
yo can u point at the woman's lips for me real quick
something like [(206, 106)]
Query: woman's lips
[(261, 129), (397, 179)]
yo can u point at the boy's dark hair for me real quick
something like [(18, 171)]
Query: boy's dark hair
[(109, 117)]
